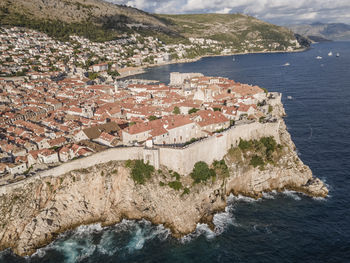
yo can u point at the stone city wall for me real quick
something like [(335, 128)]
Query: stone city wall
[(215, 147), (180, 160)]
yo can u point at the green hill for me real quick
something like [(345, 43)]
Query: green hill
[(102, 21)]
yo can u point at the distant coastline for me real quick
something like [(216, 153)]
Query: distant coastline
[(142, 69)]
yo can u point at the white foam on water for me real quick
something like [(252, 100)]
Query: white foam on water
[(201, 230), (144, 231), (244, 199), (41, 252), (292, 194), (270, 195), (322, 199), (74, 245), (106, 245), (87, 229), (223, 220)]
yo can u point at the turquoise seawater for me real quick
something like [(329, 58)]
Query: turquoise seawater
[(281, 227)]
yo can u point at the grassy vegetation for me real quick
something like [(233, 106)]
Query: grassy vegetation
[(260, 151), (221, 168), (186, 191), (176, 185), (257, 161)]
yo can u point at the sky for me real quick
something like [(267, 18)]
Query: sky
[(282, 12)]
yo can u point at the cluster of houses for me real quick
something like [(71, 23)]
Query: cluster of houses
[(45, 122), (55, 110), (34, 54)]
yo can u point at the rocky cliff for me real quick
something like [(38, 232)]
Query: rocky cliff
[(33, 212)]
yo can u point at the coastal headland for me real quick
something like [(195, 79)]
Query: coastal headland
[(34, 211)]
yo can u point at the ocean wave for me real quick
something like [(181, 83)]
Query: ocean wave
[(269, 195), (201, 230), (292, 194), (144, 231), (321, 199), (74, 245), (234, 198), (84, 241), (221, 222)]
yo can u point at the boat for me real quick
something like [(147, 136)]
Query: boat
[(290, 97), (338, 55), (330, 53), (318, 57), (286, 64), (233, 59)]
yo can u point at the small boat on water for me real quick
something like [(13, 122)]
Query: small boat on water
[(233, 59), (286, 64), (290, 97), (330, 53), (318, 57), (338, 55)]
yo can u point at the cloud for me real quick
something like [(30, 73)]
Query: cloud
[(275, 11), (226, 10)]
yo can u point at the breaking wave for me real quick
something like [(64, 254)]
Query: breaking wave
[(292, 194), (85, 241)]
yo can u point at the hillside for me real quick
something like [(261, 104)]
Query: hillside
[(320, 31), (233, 28), (101, 21), (94, 19)]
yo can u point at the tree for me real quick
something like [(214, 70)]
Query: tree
[(201, 172), (152, 118), (141, 171), (193, 110), (176, 110)]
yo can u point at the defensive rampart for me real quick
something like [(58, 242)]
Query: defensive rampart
[(180, 160), (214, 147)]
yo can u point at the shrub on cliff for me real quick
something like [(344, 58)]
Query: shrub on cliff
[(257, 161), (221, 168), (244, 145), (176, 185), (201, 172), (141, 171), (270, 145)]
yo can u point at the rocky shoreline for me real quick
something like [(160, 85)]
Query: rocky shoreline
[(36, 210)]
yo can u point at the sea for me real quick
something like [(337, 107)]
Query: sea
[(280, 227)]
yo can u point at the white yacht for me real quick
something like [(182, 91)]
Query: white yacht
[(330, 53), (286, 64), (318, 57)]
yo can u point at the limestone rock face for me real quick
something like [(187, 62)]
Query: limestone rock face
[(34, 211)]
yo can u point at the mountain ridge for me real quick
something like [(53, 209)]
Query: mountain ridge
[(326, 31), (102, 21)]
